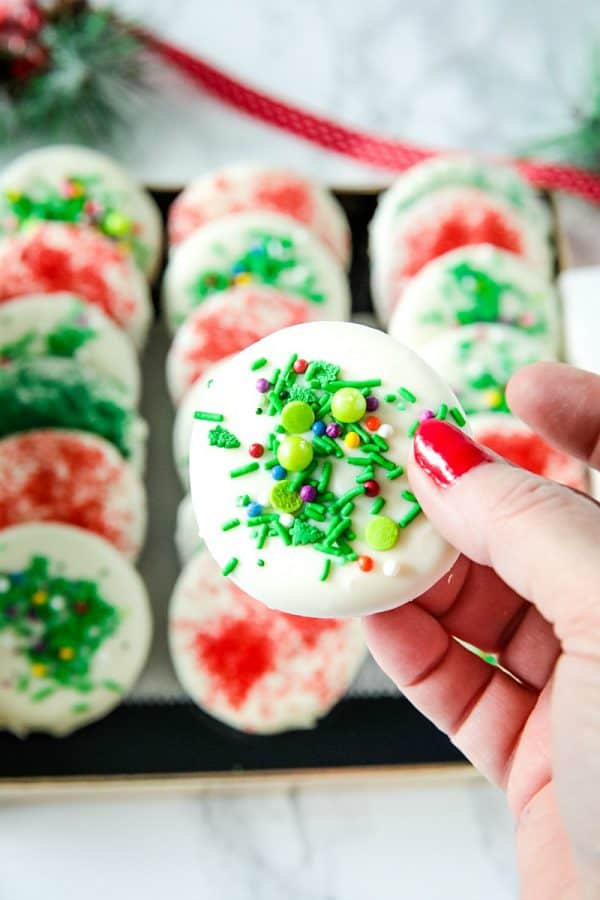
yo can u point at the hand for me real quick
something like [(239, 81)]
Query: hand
[(528, 589)]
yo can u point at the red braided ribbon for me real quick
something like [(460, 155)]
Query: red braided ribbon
[(384, 153)]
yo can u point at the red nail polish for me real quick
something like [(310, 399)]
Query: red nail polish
[(445, 452)]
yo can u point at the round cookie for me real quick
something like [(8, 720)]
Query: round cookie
[(187, 539), (75, 628), (184, 423), (251, 187), (478, 283), (79, 185), (53, 257), (224, 324), (254, 248), (512, 439), (256, 669), (63, 325), (301, 463), (74, 478), (477, 361), (449, 202), (58, 393)]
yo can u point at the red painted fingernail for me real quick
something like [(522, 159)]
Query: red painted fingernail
[(445, 452)]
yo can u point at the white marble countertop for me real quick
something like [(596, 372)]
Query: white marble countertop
[(481, 75)]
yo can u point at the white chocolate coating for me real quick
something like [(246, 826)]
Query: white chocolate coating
[(477, 361), (107, 351), (50, 167), (54, 257), (251, 187), (477, 283), (307, 268), (187, 539), (118, 661), (479, 202), (290, 579), (74, 478), (512, 439), (258, 670), (225, 324), (184, 424)]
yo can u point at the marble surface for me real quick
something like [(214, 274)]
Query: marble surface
[(488, 75)]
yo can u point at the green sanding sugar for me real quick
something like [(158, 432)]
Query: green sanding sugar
[(58, 393)]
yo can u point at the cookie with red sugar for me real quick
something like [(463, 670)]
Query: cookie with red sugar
[(256, 669)]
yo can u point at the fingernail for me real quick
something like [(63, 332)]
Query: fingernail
[(445, 452)]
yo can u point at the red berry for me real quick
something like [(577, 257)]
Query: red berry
[(300, 366), (373, 423), (371, 488), (365, 563), (256, 450)]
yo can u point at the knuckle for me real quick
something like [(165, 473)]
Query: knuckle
[(528, 496)]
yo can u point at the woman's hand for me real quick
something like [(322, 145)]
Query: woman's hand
[(528, 589)]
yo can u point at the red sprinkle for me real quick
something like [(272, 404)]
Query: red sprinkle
[(371, 488), (373, 423), (300, 366), (365, 563), (256, 450)]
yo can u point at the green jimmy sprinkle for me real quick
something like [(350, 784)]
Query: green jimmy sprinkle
[(244, 470), (258, 364), (208, 416), (230, 566)]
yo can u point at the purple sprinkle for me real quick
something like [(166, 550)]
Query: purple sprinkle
[(372, 403), (308, 493), (333, 430), (262, 385), (426, 414)]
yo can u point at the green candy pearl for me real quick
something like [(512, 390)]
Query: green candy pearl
[(381, 533), (116, 224), (348, 405), (297, 417), (294, 453)]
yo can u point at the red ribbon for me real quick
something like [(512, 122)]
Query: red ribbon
[(384, 153)]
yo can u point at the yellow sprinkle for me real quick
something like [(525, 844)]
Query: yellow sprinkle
[(39, 598), (352, 440), (493, 397), (242, 278), (66, 653), (38, 670), (76, 189), (13, 196)]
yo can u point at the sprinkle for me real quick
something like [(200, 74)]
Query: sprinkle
[(390, 398), (367, 383), (283, 533), (426, 414), (408, 517), (373, 423), (295, 453), (262, 535), (231, 523), (395, 473), (349, 495), (458, 416), (407, 395), (300, 366), (286, 520), (38, 670), (348, 508), (442, 411), (208, 416), (242, 500), (365, 563), (270, 464), (220, 437), (325, 475), (381, 533), (308, 493), (278, 473), (385, 430), (260, 562), (244, 470), (348, 404), (325, 572), (408, 495), (263, 385), (391, 567), (284, 498), (254, 509), (66, 653), (359, 460), (258, 363), (413, 428), (297, 417), (333, 430), (371, 488), (378, 505), (318, 428), (39, 598), (256, 450), (325, 548), (384, 463), (313, 513), (372, 403), (352, 440), (230, 566), (365, 476)]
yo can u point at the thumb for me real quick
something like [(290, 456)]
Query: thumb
[(542, 539)]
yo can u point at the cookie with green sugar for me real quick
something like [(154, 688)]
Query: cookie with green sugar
[(476, 284), (260, 249), (51, 392), (75, 627), (327, 510)]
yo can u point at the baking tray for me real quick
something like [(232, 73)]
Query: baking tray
[(157, 737)]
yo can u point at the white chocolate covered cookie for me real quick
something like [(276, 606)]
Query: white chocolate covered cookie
[(449, 202), (257, 248), (184, 424), (187, 539), (79, 185), (74, 478), (75, 628), (297, 465), (512, 439), (478, 283), (477, 361), (55, 257), (256, 669), (225, 324), (63, 325), (260, 188)]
